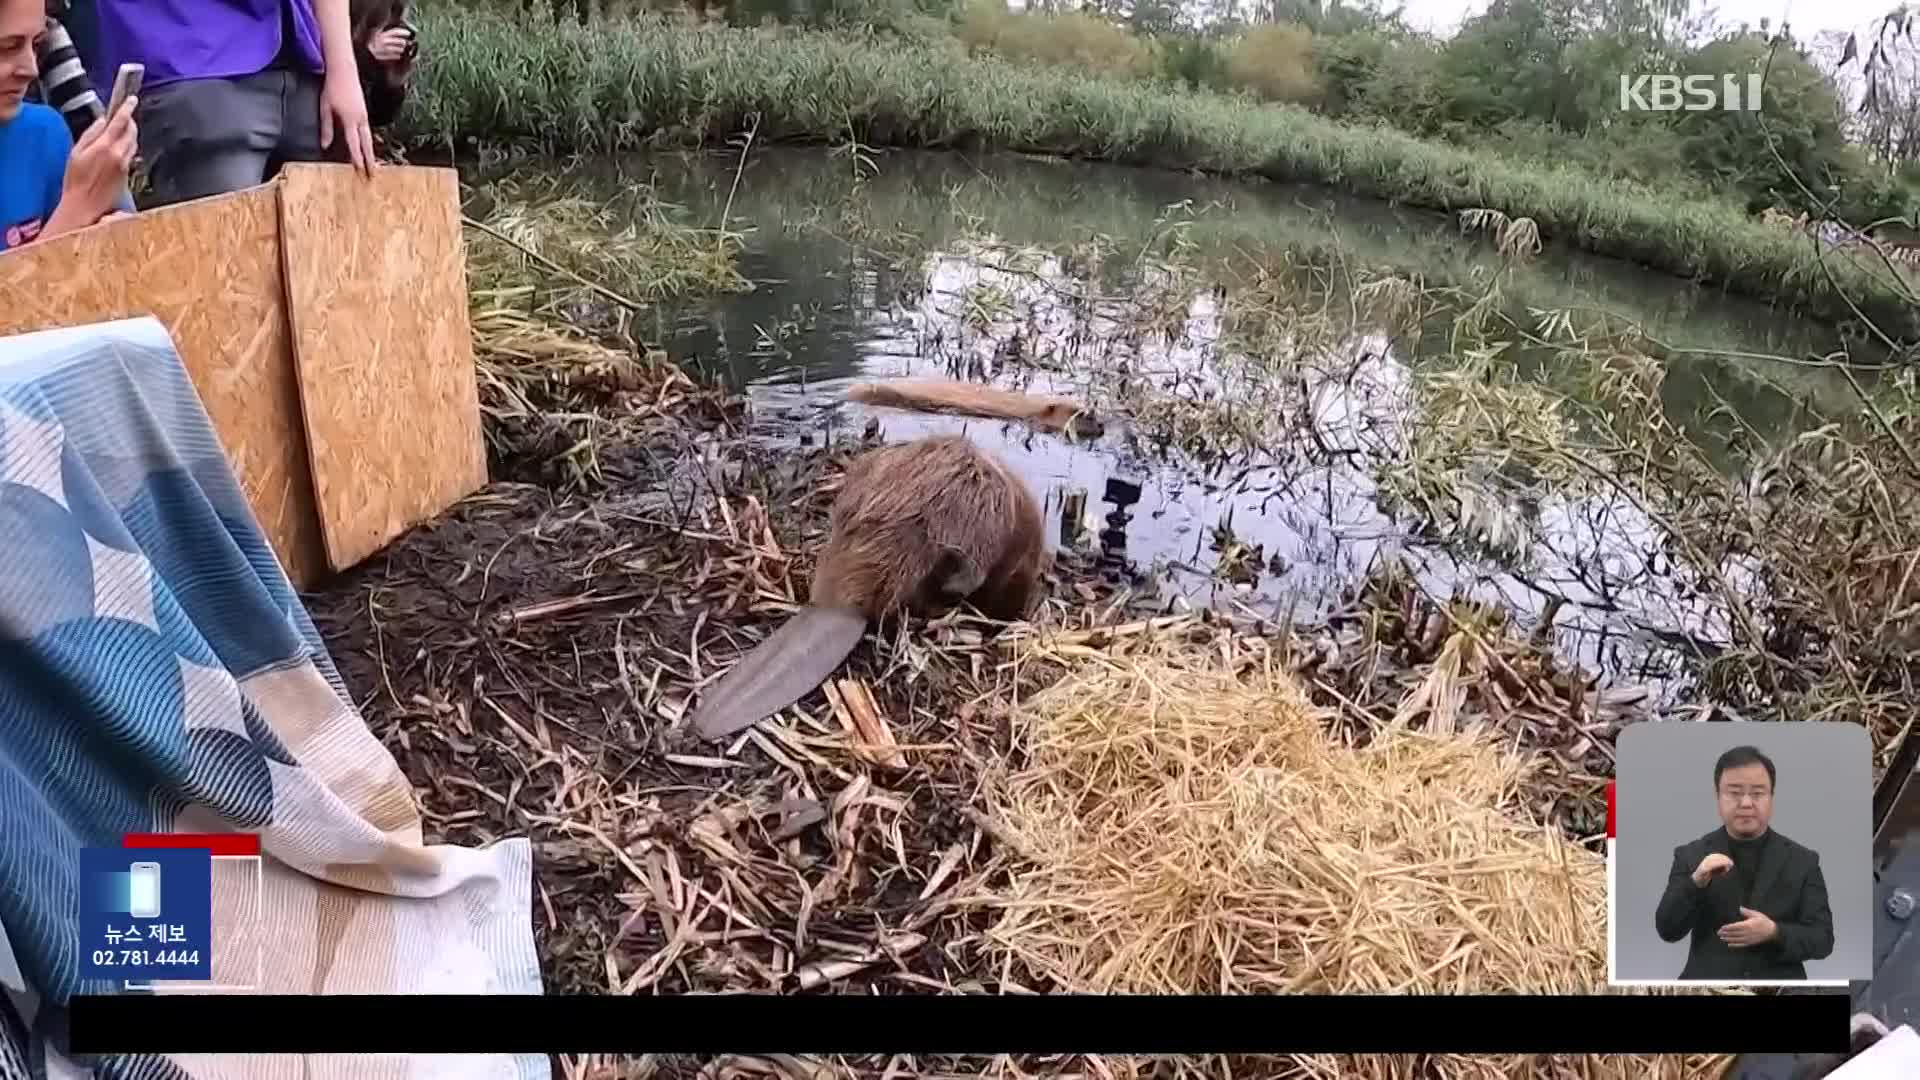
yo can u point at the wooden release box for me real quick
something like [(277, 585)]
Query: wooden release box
[(323, 320)]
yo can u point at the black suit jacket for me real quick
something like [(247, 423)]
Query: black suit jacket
[(1787, 886)]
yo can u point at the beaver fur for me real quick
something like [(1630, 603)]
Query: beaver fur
[(917, 527)]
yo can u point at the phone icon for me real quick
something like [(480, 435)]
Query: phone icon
[(143, 899)]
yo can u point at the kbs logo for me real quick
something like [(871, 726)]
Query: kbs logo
[(1690, 93)]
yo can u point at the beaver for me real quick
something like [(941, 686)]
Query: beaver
[(973, 399), (916, 527)]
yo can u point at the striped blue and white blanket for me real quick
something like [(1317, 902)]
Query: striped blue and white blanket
[(158, 673)]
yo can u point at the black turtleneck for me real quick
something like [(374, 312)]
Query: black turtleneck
[(1746, 862)]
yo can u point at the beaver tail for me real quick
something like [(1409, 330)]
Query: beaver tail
[(780, 670)]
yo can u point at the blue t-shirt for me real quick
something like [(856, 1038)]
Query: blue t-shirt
[(33, 164)]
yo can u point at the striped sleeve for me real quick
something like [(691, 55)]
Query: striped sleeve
[(63, 80)]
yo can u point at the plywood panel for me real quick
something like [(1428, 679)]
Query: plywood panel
[(209, 270), (377, 294)]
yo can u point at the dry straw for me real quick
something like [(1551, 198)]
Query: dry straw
[(1185, 825), (1192, 829)]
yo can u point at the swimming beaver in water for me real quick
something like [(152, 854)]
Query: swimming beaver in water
[(916, 526), (974, 399)]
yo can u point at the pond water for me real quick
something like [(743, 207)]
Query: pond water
[(1033, 273)]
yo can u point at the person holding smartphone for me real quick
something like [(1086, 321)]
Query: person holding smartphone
[(51, 183), (235, 88), (385, 47)]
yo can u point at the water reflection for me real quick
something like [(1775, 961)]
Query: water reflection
[(872, 278), (1301, 512), (797, 201)]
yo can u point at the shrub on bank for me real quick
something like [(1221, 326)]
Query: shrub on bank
[(617, 84), (1274, 62), (1074, 39)]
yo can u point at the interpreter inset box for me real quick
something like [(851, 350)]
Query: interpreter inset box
[(1739, 854)]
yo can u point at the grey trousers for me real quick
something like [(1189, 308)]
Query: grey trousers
[(210, 136)]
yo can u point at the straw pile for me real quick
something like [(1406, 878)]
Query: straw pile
[(1191, 829), (1182, 823)]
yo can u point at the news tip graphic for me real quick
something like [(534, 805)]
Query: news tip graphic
[(173, 908), (146, 915)]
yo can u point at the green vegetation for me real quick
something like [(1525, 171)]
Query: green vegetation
[(1537, 79), (626, 84), (930, 201)]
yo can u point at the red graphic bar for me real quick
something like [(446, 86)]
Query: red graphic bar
[(246, 843), (1609, 809)]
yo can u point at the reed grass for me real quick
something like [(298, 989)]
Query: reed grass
[(538, 225), (624, 84)]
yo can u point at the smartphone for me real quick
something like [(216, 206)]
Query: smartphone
[(143, 892), (125, 85)]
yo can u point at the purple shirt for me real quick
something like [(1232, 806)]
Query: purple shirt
[(204, 39)]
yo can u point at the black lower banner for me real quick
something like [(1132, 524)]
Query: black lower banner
[(961, 1025)]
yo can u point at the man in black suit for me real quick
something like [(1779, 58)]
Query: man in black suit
[(1753, 902)]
